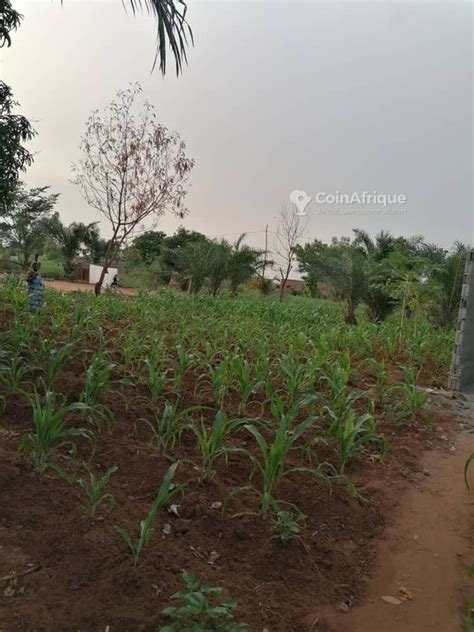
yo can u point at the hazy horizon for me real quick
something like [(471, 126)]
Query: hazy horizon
[(320, 97)]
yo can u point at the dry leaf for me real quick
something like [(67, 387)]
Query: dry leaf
[(406, 594), (392, 600), (213, 557)]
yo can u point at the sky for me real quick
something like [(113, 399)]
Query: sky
[(319, 97)]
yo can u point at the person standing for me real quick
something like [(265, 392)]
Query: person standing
[(35, 286)]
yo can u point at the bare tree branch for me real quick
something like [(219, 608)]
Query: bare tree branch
[(291, 227), (132, 168)]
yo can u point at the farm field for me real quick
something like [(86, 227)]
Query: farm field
[(265, 443)]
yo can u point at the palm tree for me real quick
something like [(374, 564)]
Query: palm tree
[(218, 258), (73, 239), (191, 264), (379, 300), (376, 249), (446, 280), (242, 264), (345, 268)]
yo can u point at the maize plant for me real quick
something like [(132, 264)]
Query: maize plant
[(185, 361), (13, 370), (246, 386), (381, 380), (293, 376), (270, 462), (412, 400), (156, 380), (165, 494), (340, 397), (93, 488), (210, 443), (97, 382), (57, 358), (50, 430), (169, 425), (351, 434)]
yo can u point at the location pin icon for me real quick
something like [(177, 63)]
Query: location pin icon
[(301, 200)]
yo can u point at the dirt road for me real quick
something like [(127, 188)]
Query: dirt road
[(68, 286), (423, 557)]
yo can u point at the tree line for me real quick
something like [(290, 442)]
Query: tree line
[(383, 273)]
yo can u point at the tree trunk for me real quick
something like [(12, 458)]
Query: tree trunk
[(264, 267), (109, 255), (282, 289), (350, 317), (283, 282)]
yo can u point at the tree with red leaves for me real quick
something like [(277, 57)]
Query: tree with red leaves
[(133, 168)]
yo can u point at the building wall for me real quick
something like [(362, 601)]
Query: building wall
[(462, 371), (96, 271)]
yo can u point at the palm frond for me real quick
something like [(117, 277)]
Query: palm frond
[(172, 29)]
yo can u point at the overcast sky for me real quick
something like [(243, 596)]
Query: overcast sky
[(277, 96)]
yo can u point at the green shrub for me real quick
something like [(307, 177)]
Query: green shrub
[(52, 270), (199, 612)]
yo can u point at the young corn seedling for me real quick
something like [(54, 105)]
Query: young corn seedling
[(293, 376), (415, 399), (97, 383), (156, 377), (13, 370), (337, 379), (166, 492), (168, 427), (58, 324), (412, 399), (43, 351), (219, 376), (200, 611), (381, 379), (13, 287), (269, 387), (351, 433), (279, 408), (262, 362), (156, 380), (271, 462), (50, 432), (93, 488), (185, 362), (220, 381), (57, 357), (244, 383), (210, 443), (82, 323), (130, 343)]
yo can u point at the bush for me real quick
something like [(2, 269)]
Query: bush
[(138, 277), (200, 612), (52, 270)]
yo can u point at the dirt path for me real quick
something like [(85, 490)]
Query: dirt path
[(424, 555), (76, 286)]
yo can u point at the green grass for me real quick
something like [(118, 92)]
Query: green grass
[(52, 269)]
